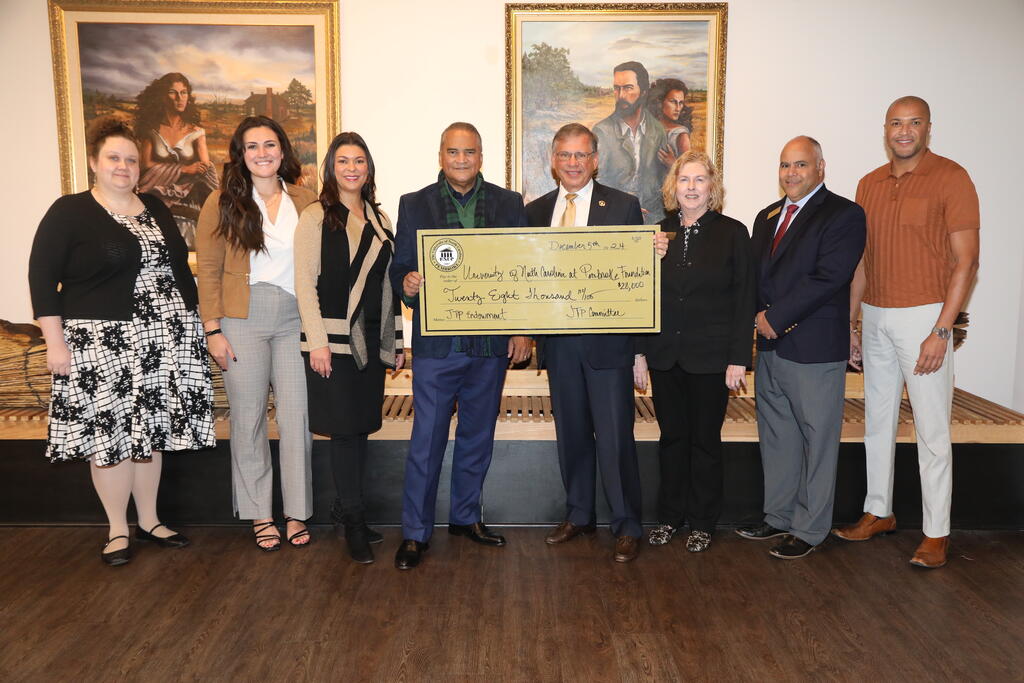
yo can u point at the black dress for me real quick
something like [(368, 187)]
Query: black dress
[(349, 401)]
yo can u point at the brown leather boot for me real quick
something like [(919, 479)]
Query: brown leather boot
[(866, 527), (931, 554)]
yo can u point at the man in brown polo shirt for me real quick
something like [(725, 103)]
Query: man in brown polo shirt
[(918, 266)]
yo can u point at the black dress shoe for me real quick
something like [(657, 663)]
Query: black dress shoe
[(760, 532), (116, 558), (175, 540), (791, 549), (478, 533), (409, 554)]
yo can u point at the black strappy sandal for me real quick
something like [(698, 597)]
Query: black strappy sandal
[(257, 528), (298, 534)]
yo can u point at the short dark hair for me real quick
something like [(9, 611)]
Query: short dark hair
[(571, 130), (465, 127), (108, 127), (642, 78)]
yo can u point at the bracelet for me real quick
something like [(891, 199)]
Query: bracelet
[(214, 331)]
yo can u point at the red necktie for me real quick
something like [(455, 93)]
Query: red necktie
[(790, 210)]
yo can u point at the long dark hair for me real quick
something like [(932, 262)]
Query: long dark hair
[(152, 104), (660, 90), (241, 223), (329, 196)]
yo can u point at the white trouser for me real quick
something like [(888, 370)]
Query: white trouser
[(892, 343)]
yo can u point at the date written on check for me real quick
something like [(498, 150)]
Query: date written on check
[(539, 280)]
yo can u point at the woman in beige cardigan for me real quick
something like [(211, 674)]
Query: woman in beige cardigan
[(244, 251), (351, 323)]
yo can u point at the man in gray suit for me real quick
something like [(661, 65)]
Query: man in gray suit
[(630, 140), (806, 247)]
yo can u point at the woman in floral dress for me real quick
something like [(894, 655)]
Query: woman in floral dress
[(116, 303)]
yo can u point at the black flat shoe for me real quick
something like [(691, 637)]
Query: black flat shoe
[(478, 533), (409, 554), (116, 558), (760, 532), (176, 540)]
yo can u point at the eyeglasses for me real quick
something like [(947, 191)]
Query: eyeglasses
[(578, 156)]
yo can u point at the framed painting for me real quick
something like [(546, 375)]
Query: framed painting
[(184, 73), (647, 79)]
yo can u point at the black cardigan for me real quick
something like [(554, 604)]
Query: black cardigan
[(707, 303), (95, 260)]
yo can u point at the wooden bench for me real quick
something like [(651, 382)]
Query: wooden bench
[(525, 415)]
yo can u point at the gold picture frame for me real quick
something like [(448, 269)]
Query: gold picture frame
[(284, 53), (559, 61)]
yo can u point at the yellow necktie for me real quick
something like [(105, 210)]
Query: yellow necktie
[(569, 215)]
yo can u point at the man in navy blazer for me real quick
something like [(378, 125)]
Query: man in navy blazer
[(806, 248), (590, 375), (466, 369)]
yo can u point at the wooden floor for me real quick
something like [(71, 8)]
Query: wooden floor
[(221, 611)]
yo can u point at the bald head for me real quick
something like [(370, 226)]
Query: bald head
[(807, 141), (908, 126), (801, 167), (911, 101)]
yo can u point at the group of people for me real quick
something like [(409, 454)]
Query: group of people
[(302, 294)]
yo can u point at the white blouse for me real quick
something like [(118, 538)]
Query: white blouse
[(276, 265)]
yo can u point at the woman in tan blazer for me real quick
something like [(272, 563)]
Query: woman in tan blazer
[(246, 273)]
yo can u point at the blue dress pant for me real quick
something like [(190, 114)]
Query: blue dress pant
[(437, 383)]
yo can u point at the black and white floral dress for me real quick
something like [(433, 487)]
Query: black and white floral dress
[(135, 386)]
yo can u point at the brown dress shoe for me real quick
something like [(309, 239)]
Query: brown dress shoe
[(626, 548), (931, 554), (867, 527), (566, 531)]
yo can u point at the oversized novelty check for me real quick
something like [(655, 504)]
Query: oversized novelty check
[(539, 280)]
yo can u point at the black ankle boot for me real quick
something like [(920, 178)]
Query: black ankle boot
[(356, 539)]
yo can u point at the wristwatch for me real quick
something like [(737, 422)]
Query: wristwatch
[(941, 332)]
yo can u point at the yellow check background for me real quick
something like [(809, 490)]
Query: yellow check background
[(584, 280)]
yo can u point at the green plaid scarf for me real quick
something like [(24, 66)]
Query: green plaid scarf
[(454, 213)]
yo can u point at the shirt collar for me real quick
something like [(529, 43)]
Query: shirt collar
[(800, 204), (923, 166), (458, 196), (641, 128), (259, 200), (582, 194)]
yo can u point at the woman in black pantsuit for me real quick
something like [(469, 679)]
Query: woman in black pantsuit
[(703, 350)]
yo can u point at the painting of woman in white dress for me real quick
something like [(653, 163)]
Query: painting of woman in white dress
[(175, 160)]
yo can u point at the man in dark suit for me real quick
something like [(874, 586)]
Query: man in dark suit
[(806, 248), (467, 369), (590, 375)]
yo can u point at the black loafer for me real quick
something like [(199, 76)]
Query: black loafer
[(175, 540), (760, 532), (478, 533), (409, 554), (116, 558), (792, 548)]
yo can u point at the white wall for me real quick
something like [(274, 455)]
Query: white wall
[(828, 69)]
